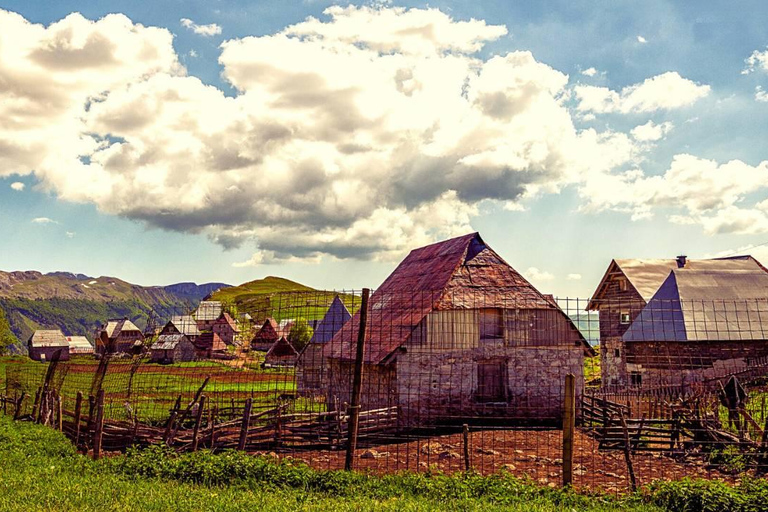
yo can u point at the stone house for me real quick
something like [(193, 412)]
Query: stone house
[(266, 336), (119, 336), (455, 333), (623, 292), (225, 328), (208, 311), (172, 348), (281, 354), (311, 365), (44, 343)]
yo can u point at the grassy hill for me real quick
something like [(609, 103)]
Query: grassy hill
[(79, 304), (279, 298)]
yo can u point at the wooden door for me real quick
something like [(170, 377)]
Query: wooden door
[(492, 381)]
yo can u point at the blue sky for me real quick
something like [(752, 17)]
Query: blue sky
[(540, 151)]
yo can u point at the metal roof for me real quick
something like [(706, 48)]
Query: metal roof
[(48, 338), (168, 341), (113, 328), (705, 305), (208, 310), (185, 324), (79, 343), (333, 320)]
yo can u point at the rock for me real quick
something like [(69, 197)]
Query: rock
[(508, 467), (432, 448), (487, 451), (373, 454), (448, 455)]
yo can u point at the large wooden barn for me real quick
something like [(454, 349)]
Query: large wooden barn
[(627, 287), (119, 336), (45, 343), (456, 333)]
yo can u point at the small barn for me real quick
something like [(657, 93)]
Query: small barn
[(699, 327), (172, 348), (208, 311), (225, 328), (44, 343), (281, 354), (119, 336), (626, 288), (311, 365), (266, 336), (79, 346), (208, 344), (454, 334)]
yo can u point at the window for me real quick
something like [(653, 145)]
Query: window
[(624, 317), (491, 324), (616, 353), (491, 381), (635, 379), (622, 284)]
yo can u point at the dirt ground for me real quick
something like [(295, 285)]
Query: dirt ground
[(533, 453)]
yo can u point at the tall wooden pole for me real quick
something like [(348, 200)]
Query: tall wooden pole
[(357, 382), (569, 425)]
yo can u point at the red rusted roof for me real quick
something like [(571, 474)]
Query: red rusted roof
[(460, 273), (267, 333)]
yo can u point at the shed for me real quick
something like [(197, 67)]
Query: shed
[(311, 365), (266, 336), (455, 333), (225, 328), (119, 336), (281, 354), (79, 345), (172, 348), (44, 343)]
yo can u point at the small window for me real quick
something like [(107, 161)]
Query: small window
[(635, 379), (624, 317), (616, 353), (622, 285), (491, 324)]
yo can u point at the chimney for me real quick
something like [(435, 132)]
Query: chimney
[(681, 260)]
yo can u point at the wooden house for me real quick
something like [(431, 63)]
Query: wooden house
[(455, 333), (119, 336), (311, 365), (182, 324), (623, 292), (44, 343), (225, 328), (281, 354), (209, 344), (207, 313), (266, 336), (172, 348), (80, 346)]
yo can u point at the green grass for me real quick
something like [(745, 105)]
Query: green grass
[(42, 472)]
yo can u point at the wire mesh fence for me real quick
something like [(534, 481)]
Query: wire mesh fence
[(447, 381)]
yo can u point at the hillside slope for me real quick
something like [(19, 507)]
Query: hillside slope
[(78, 304)]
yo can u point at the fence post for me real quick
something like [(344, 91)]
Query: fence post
[(98, 430), (78, 415), (19, 403), (467, 465), (354, 406), (36, 404), (569, 425), (245, 424), (60, 413), (198, 419)]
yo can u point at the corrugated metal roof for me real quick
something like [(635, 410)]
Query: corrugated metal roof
[(460, 273), (167, 341), (705, 305), (79, 343), (333, 320), (208, 310), (185, 324), (48, 338)]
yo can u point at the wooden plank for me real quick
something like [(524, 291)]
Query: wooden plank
[(569, 425)]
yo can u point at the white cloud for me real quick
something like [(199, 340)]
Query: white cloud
[(17, 186), (43, 220), (536, 275), (589, 72), (641, 40), (573, 277), (662, 92), (70, 234), (650, 131), (761, 95), (758, 61), (192, 53), (203, 30)]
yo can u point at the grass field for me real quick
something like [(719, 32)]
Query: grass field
[(41, 471)]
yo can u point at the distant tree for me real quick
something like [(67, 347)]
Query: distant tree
[(300, 334), (7, 337)]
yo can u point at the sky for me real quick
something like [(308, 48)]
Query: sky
[(172, 141)]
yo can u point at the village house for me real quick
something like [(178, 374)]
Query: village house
[(207, 313), (172, 348), (79, 346), (44, 343), (266, 336), (455, 333), (119, 336), (225, 328), (182, 324), (311, 366), (280, 354), (627, 287)]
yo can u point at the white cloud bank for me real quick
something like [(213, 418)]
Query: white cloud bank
[(17, 186), (203, 30), (361, 135), (758, 61)]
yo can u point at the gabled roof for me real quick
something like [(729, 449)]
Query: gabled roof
[(225, 319), (460, 273), (268, 331), (705, 305), (79, 343), (333, 320), (114, 327), (281, 348), (647, 275), (185, 324), (168, 341), (43, 338), (208, 310)]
